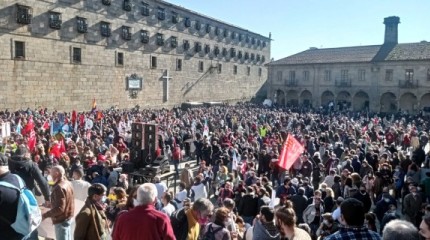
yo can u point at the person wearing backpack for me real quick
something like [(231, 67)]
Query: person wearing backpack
[(217, 230), (10, 197), (21, 164), (62, 204)]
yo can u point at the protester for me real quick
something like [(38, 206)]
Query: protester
[(62, 204), (285, 219), (352, 219), (217, 229), (400, 229), (91, 221), (187, 223), (80, 186), (143, 221)]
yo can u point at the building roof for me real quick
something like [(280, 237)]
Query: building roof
[(178, 7), (359, 54)]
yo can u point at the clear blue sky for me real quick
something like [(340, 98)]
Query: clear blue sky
[(297, 25)]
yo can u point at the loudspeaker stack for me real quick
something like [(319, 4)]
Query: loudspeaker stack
[(144, 143)]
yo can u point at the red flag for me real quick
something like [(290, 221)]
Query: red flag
[(46, 125), (74, 117), (32, 140), (290, 152), (62, 146), (99, 116)]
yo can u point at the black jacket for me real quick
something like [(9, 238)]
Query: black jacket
[(300, 203), (248, 206), (179, 223), (8, 205), (29, 172)]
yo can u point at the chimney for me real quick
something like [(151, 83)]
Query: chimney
[(391, 30)]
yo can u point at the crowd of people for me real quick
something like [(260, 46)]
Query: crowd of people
[(361, 175)]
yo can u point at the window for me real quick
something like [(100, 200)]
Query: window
[(344, 75), (161, 13), (76, 52), (389, 75), (263, 59), (178, 64), (247, 39), (19, 49), (260, 71), (264, 44), (216, 50), (258, 42), (120, 59), (232, 52), (55, 20), (409, 74), (153, 62), (219, 67), (145, 9), (207, 49), (327, 75), (248, 70), (279, 76), (24, 14), (252, 41), (361, 75), (252, 56), (428, 74), (126, 33), (197, 47), (292, 75), (144, 36), (160, 39), (187, 22), (82, 25), (258, 58), (126, 5), (224, 52), (246, 56), (235, 69), (239, 55), (106, 2), (173, 42), (208, 28), (233, 35), (217, 31), (201, 66), (240, 37), (225, 33), (197, 26), (305, 75), (105, 29), (174, 17), (186, 45)]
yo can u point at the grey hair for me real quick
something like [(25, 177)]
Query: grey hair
[(400, 229), (146, 194), (203, 205), (60, 170)]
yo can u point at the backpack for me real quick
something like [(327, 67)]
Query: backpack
[(210, 234), (179, 223), (28, 215)]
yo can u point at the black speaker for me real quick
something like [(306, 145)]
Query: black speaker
[(128, 167), (137, 127), (137, 136)]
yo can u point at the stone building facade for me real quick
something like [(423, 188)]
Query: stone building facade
[(64, 53), (381, 78)]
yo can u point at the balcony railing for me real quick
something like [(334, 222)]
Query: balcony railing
[(408, 84), (291, 82), (343, 83)]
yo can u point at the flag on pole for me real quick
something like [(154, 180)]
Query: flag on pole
[(94, 106), (290, 152), (206, 129)]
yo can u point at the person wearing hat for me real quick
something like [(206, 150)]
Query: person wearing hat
[(20, 163)]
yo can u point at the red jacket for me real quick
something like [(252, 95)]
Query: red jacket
[(143, 223)]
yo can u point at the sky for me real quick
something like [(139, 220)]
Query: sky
[(297, 25)]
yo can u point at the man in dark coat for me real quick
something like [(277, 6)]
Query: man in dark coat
[(300, 202)]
